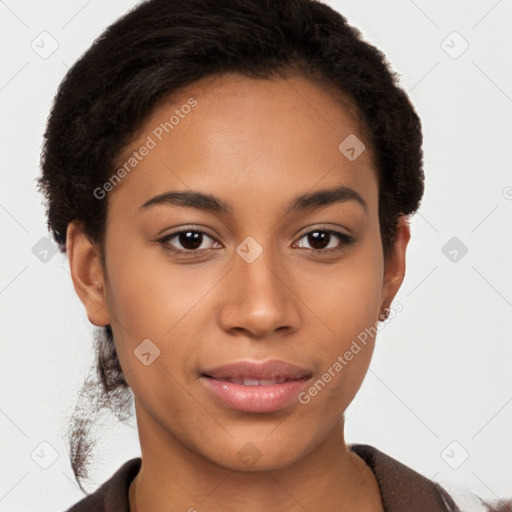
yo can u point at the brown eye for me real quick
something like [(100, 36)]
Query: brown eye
[(190, 240), (324, 240), (187, 240), (319, 239)]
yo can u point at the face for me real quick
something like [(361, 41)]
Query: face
[(266, 268)]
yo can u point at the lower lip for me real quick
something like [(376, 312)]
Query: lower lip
[(255, 398)]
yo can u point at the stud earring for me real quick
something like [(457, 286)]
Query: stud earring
[(384, 314)]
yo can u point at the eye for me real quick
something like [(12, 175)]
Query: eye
[(190, 240), (324, 240)]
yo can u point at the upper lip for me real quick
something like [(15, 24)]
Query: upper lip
[(273, 369)]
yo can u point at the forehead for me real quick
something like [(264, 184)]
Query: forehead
[(241, 136)]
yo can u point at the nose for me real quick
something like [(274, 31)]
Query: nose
[(258, 298)]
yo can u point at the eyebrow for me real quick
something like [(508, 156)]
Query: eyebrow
[(211, 203)]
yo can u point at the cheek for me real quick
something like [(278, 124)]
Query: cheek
[(151, 299), (149, 296), (347, 304), (347, 297)]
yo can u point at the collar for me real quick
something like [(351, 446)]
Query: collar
[(402, 489)]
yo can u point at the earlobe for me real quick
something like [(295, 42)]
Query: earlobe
[(395, 264), (87, 274)]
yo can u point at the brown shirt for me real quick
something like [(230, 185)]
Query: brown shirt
[(402, 489)]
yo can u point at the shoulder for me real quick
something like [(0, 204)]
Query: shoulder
[(401, 487), (112, 496)]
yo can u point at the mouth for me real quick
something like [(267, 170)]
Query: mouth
[(247, 381), (256, 387), (250, 372)]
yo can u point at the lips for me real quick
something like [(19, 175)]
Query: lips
[(256, 387), (256, 382), (252, 374)]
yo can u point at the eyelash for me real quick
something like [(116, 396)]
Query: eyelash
[(346, 240)]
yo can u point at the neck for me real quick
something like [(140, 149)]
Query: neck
[(331, 477)]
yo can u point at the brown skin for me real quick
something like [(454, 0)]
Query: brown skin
[(256, 144)]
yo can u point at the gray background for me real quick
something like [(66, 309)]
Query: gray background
[(439, 387)]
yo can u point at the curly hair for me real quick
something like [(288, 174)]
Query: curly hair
[(162, 46), (498, 506)]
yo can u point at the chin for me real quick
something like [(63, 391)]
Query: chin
[(248, 456)]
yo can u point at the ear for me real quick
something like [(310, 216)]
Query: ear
[(87, 274), (394, 266)]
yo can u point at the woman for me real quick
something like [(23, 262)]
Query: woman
[(232, 183)]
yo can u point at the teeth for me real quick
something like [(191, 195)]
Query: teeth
[(257, 382), (251, 382)]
